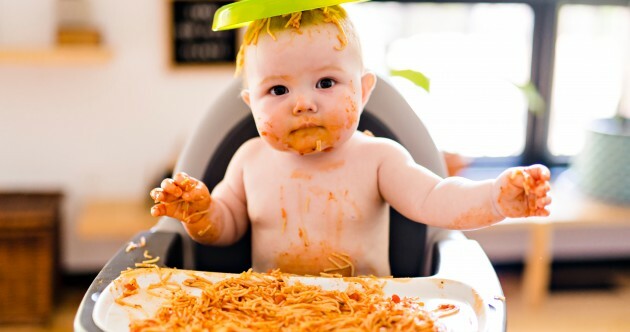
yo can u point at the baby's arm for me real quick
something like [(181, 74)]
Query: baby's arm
[(455, 202), (218, 219)]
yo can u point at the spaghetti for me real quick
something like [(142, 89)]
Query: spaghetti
[(132, 245), (335, 15), (272, 302)]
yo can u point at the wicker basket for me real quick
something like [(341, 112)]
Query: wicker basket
[(29, 224)]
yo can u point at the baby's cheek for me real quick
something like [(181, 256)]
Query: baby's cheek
[(344, 120), (351, 113), (269, 134), (270, 137)]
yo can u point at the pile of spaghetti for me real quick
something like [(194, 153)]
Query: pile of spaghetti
[(272, 302)]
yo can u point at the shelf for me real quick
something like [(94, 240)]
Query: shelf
[(56, 56)]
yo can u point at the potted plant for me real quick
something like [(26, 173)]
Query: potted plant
[(602, 168)]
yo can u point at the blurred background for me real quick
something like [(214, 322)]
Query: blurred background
[(97, 99)]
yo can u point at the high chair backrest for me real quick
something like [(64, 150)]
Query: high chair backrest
[(228, 124)]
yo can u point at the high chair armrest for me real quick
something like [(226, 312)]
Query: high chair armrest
[(464, 260), (165, 245)]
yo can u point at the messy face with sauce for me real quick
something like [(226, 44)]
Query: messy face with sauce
[(306, 85)]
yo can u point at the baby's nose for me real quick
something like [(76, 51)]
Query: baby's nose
[(304, 104)]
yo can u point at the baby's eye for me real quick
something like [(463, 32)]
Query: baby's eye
[(325, 83), (278, 90)]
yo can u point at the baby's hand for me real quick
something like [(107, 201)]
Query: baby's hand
[(522, 191), (183, 197)]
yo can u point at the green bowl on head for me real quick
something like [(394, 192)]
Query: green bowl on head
[(240, 13)]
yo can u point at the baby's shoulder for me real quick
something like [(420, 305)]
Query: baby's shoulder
[(376, 145), (250, 149), (252, 144)]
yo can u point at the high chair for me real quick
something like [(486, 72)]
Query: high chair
[(415, 249)]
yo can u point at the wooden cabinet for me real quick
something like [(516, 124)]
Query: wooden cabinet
[(29, 255)]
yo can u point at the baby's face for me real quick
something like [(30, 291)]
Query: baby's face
[(305, 94)]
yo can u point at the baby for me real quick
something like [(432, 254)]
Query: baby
[(316, 191)]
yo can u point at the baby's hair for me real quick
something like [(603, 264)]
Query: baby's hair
[(334, 14)]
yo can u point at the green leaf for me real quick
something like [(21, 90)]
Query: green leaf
[(535, 101), (415, 77)]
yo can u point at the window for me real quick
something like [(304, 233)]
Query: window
[(478, 55), (592, 51)]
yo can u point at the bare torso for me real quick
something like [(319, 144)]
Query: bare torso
[(317, 213)]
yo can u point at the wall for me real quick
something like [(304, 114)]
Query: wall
[(103, 131)]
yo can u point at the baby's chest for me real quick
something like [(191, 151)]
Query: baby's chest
[(301, 197)]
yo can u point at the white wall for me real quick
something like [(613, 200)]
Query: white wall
[(103, 131)]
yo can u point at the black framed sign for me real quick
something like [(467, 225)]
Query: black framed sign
[(192, 41)]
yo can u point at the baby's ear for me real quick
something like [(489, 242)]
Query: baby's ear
[(368, 82), (245, 96)]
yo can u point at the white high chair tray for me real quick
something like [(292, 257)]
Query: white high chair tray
[(472, 316)]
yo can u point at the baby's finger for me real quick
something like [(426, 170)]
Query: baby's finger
[(185, 181), (159, 195), (542, 213), (543, 201), (543, 189), (539, 172), (156, 194), (167, 209), (169, 186), (517, 177), (158, 210)]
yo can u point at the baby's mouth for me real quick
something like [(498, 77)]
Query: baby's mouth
[(309, 138), (307, 125)]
